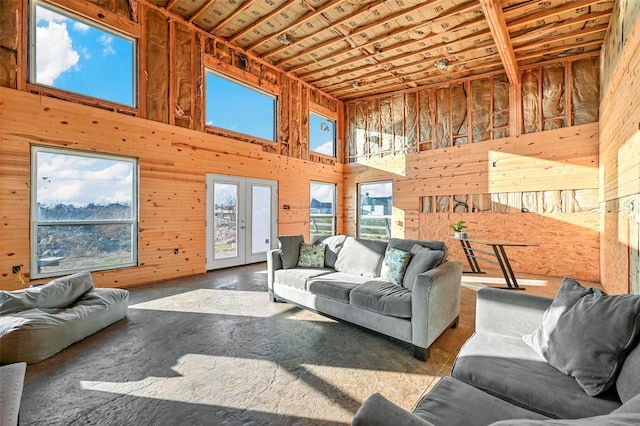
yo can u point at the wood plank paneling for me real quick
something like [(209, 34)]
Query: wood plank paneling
[(173, 163)]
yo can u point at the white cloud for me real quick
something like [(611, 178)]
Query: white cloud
[(81, 27), (106, 41), (54, 52), (80, 181), (46, 15), (326, 148), (322, 192)]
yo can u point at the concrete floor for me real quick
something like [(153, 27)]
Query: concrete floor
[(212, 350)]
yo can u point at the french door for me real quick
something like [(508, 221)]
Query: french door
[(242, 222)]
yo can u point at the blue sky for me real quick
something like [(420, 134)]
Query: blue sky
[(74, 56)]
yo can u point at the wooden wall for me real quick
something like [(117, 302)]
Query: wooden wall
[(506, 169), (620, 151), (173, 162)]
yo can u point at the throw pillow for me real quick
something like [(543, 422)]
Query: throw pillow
[(290, 249), (587, 334), (422, 260), (361, 257), (394, 265), (311, 256)]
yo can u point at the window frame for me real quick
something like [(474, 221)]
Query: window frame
[(36, 222), (388, 217), (235, 80), (31, 54), (333, 215), (334, 133)]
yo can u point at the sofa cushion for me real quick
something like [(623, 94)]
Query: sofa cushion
[(58, 293), (422, 260), (361, 257), (628, 385), (394, 265), (336, 286), (531, 382), (407, 245), (290, 249), (452, 402), (311, 256), (577, 337), (384, 298), (332, 244), (297, 277), (627, 415)]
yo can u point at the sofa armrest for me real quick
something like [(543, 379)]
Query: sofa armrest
[(509, 312), (379, 411), (435, 302), (274, 262)]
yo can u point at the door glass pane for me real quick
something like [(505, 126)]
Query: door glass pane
[(260, 219), (376, 204), (225, 221)]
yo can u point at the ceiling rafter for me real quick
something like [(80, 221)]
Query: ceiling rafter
[(415, 83), (402, 31), (464, 25), (362, 30), (364, 10), (243, 7), (200, 11), (498, 27), (558, 50), (551, 29), (303, 20), (567, 7), (259, 22), (413, 65), (425, 53), (568, 36)]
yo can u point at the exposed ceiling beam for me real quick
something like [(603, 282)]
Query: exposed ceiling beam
[(498, 27), (259, 22), (552, 29), (303, 20), (244, 6), (400, 31), (200, 11), (568, 36)]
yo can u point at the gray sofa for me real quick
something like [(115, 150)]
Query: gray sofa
[(40, 321), (572, 360), (347, 285)]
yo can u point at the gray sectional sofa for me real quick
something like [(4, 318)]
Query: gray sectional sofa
[(40, 321), (347, 285), (573, 360)]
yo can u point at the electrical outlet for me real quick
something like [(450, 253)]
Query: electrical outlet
[(176, 251), (15, 269)]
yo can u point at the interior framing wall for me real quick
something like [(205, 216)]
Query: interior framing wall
[(620, 151), (173, 162)]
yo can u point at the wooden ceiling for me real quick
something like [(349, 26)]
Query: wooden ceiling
[(357, 48)]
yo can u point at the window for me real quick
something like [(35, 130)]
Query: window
[(84, 211), (73, 54), (239, 108), (376, 204), (323, 209), (322, 135)]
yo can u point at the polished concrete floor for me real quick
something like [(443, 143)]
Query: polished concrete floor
[(212, 350)]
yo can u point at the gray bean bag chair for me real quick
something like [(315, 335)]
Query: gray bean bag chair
[(38, 322)]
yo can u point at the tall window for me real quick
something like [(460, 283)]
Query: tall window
[(323, 209), (376, 205), (76, 55), (322, 135), (234, 106), (84, 211)]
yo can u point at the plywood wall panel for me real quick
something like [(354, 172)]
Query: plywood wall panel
[(620, 151), (567, 244), (173, 163)]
